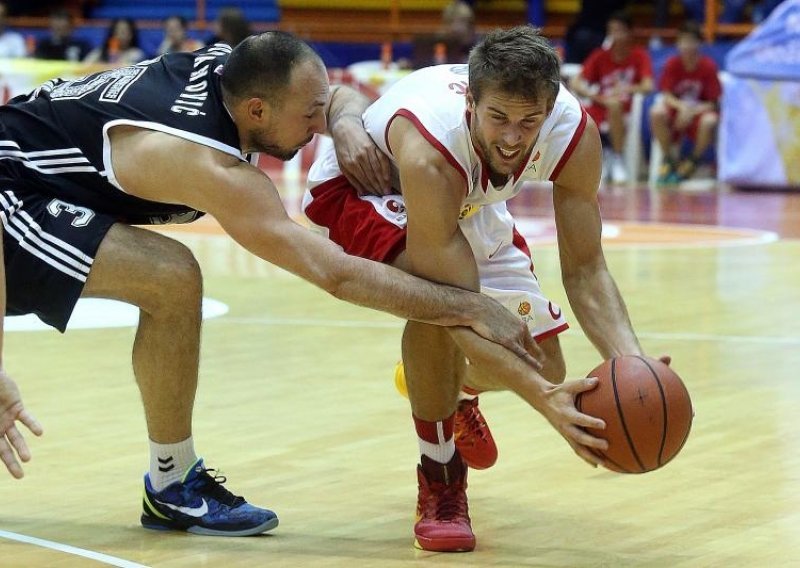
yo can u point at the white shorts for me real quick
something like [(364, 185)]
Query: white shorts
[(375, 228)]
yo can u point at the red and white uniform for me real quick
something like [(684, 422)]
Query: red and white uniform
[(609, 74), (374, 227), (694, 86)]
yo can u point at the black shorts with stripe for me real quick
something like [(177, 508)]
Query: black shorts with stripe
[(49, 247)]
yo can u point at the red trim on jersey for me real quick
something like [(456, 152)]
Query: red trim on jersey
[(523, 164), (571, 147), (353, 223), (519, 241), (550, 333), (407, 114)]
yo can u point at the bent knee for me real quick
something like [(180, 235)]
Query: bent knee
[(709, 120), (177, 275), (555, 369), (658, 112)]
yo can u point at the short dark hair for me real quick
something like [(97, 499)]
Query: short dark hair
[(623, 17), (261, 65), (691, 28), (181, 20), (518, 61)]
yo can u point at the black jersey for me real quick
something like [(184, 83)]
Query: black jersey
[(56, 138)]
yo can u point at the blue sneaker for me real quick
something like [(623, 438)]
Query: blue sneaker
[(199, 504)]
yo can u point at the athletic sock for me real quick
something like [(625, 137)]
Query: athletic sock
[(436, 438), (467, 393), (169, 462)]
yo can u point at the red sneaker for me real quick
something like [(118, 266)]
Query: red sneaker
[(473, 438), (443, 523)]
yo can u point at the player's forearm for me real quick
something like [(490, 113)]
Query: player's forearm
[(508, 371), (382, 287), (346, 104), (601, 312)]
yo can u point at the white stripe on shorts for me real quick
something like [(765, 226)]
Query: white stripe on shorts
[(37, 253), (28, 239), (76, 252)]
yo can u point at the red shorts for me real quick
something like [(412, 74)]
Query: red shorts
[(368, 227), (599, 114), (690, 131)]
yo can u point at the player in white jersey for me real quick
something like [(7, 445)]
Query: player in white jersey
[(463, 140)]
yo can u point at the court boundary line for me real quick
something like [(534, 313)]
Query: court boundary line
[(69, 549), (356, 324)]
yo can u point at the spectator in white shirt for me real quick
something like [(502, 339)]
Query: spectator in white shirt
[(12, 44)]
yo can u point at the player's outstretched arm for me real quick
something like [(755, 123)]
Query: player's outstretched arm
[(12, 444), (247, 205), (591, 290)]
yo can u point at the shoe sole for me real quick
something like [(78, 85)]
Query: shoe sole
[(159, 525), (445, 545)]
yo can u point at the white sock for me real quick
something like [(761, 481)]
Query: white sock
[(467, 393), (436, 439), (169, 462)]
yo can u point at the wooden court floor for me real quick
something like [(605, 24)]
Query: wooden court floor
[(296, 405)]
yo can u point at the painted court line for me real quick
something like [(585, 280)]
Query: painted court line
[(74, 550), (356, 324)]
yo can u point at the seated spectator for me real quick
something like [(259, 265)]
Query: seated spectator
[(609, 79), (175, 38), (12, 44), (588, 30), (453, 41), (690, 92), (121, 46), (231, 27), (60, 44)]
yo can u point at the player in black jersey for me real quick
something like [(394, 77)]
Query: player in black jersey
[(164, 141)]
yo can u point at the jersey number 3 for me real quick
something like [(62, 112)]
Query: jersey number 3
[(82, 214)]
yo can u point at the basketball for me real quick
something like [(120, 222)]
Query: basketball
[(647, 411)]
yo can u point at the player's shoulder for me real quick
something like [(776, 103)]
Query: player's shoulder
[(708, 64), (640, 53), (673, 62), (597, 54)]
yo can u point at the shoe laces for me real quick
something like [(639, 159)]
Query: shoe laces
[(211, 485), (445, 502), (472, 425)]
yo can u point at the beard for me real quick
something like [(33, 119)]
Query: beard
[(282, 154), (262, 142)]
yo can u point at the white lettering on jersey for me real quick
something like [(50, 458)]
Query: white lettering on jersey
[(195, 93)]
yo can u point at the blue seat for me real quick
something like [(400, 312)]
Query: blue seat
[(255, 10)]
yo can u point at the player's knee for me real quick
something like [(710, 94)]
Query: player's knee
[(555, 369), (179, 278), (658, 113), (556, 372), (709, 120)]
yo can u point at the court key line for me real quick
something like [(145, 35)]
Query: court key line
[(355, 324), (69, 549)]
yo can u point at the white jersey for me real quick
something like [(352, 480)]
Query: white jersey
[(374, 226), (434, 100)]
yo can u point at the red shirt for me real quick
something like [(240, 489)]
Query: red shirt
[(700, 84), (601, 68)]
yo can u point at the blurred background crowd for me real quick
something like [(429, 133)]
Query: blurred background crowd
[(650, 73)]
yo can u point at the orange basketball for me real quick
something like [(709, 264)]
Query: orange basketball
[(647, 411)]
